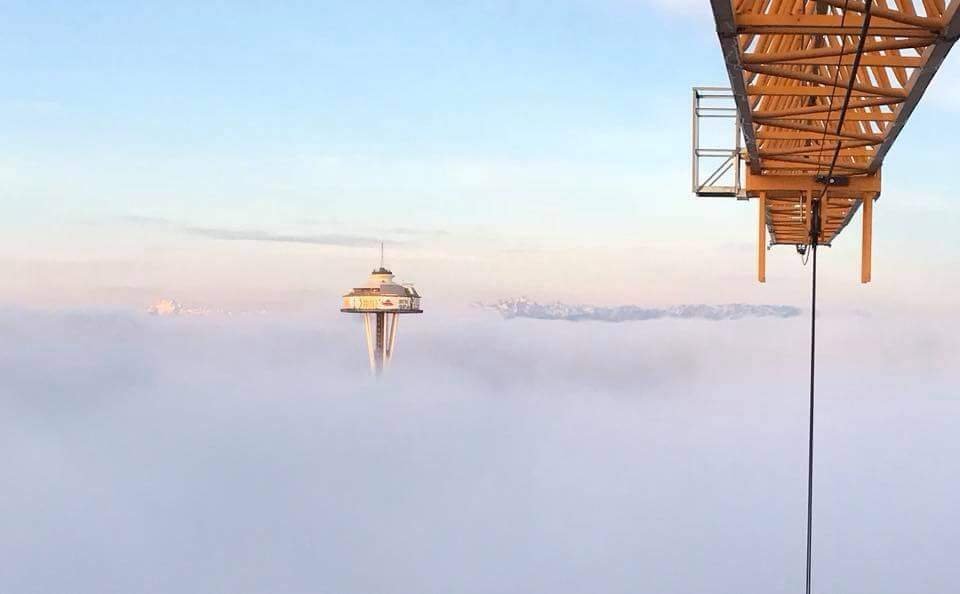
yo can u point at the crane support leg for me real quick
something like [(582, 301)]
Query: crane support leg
[(762, 238), (866, 249)]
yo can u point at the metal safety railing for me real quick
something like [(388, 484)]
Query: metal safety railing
[(716, 167)]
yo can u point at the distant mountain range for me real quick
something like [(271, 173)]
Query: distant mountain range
[(524, 308), (171, 308)]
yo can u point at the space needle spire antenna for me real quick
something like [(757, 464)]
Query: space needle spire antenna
[(380, 302)]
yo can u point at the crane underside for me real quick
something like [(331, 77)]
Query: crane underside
[(822, 90)]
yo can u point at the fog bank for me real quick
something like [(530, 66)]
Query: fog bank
[(250, 456)]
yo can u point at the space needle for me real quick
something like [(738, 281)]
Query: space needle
[(381, 301)]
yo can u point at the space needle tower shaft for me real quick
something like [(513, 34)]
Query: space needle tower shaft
[(381, 302)]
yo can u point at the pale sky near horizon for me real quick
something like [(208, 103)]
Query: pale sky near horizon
[(251, 154), (255, 152)]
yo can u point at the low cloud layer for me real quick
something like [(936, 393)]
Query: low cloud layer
[(232, 234), (159, 455), (259, 235)]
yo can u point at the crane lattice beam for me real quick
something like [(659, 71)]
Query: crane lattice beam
[(800, 100)]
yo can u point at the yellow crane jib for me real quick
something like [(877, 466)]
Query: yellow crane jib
[(819, 91)]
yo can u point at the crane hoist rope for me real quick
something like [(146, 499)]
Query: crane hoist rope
[(815, 220)]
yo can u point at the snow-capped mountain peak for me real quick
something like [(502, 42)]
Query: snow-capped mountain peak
[(524, 308)]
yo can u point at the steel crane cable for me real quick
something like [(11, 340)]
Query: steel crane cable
[(803, 250), (846, 99), (815, 226), (836, 78), (814, 231)]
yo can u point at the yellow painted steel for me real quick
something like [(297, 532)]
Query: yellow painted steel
[(790, 66)]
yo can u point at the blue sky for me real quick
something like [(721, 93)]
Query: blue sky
[(501, 149), (516, 136)]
